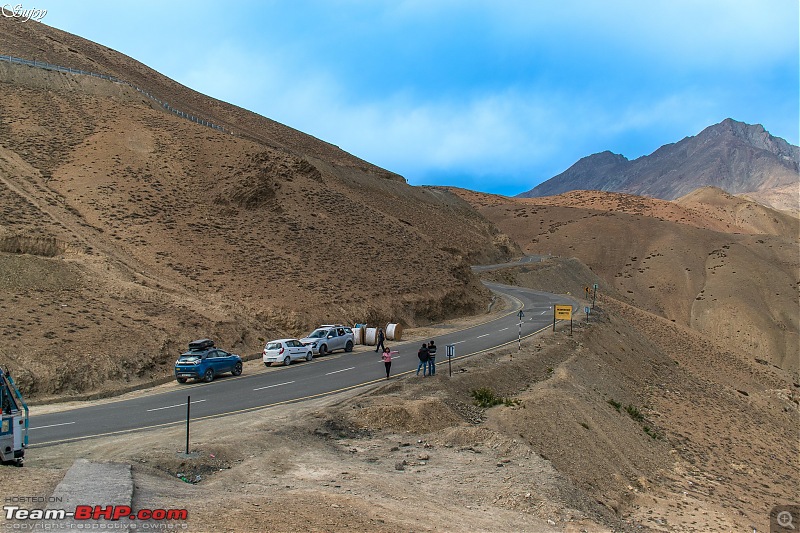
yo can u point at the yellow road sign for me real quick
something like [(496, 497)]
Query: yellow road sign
[(563, 312)]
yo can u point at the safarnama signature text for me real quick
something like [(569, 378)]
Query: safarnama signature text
[(19, 12)]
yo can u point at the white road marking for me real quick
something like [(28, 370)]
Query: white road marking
[(171, 406), (485, 335), (503, 329), (52, 426), (276, 385), (337, 371), (458, 342)]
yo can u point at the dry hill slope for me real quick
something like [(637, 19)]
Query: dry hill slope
[(33, 40), (740, 289), (158, 230), (740, 214)]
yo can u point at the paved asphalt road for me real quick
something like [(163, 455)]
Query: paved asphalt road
[(280, 385)]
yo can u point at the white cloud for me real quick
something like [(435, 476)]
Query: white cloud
[(509, 131), (491, 131), (707, 33), (516, 127)]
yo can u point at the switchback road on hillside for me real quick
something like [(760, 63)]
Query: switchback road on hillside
[(228, 395), (519, 262)]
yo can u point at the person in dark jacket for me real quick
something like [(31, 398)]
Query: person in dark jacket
[(381, 338), (423, 360), (431, 358)]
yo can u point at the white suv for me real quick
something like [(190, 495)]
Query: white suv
[(330, 337)]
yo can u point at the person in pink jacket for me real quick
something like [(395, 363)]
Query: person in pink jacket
[(386, 357)]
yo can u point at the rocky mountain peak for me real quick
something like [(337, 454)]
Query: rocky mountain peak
[(754, 135), (734, 156)]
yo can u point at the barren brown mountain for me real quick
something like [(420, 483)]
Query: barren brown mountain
[(154, 229), (723, 266), (736, 157), (127, 230), (709, 282)]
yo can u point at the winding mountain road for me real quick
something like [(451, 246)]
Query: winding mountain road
[(276, 386)]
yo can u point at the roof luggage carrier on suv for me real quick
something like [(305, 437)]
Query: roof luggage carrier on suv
[(201, 344)]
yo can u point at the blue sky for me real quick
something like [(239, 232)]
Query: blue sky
[(495, 96)]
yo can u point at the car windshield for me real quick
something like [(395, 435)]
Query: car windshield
[(274, 346), (318, 334)]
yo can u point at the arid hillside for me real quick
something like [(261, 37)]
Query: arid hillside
[(739, 214), (725, 267), (153, 229), (35, 41)]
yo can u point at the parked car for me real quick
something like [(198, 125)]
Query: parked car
[(204, 361), (285, 351), (330, 337)]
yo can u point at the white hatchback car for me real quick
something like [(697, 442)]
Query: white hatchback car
[(285, 351)]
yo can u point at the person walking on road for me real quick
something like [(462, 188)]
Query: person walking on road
[(431, 358), (423, 360), (381, 337), (386, 357)]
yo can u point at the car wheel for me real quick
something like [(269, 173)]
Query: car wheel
[(237, 369), (287, 361), (208, 377), (349, 346), (181, 380), (267, 364), (309, 356), (323, 349)]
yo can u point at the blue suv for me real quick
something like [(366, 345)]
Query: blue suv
[(204, 361)]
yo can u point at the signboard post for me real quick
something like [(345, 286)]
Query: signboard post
[(562, 312), (519, 335), (594, 296), (587, 311), (188, 411), (450, 352)]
